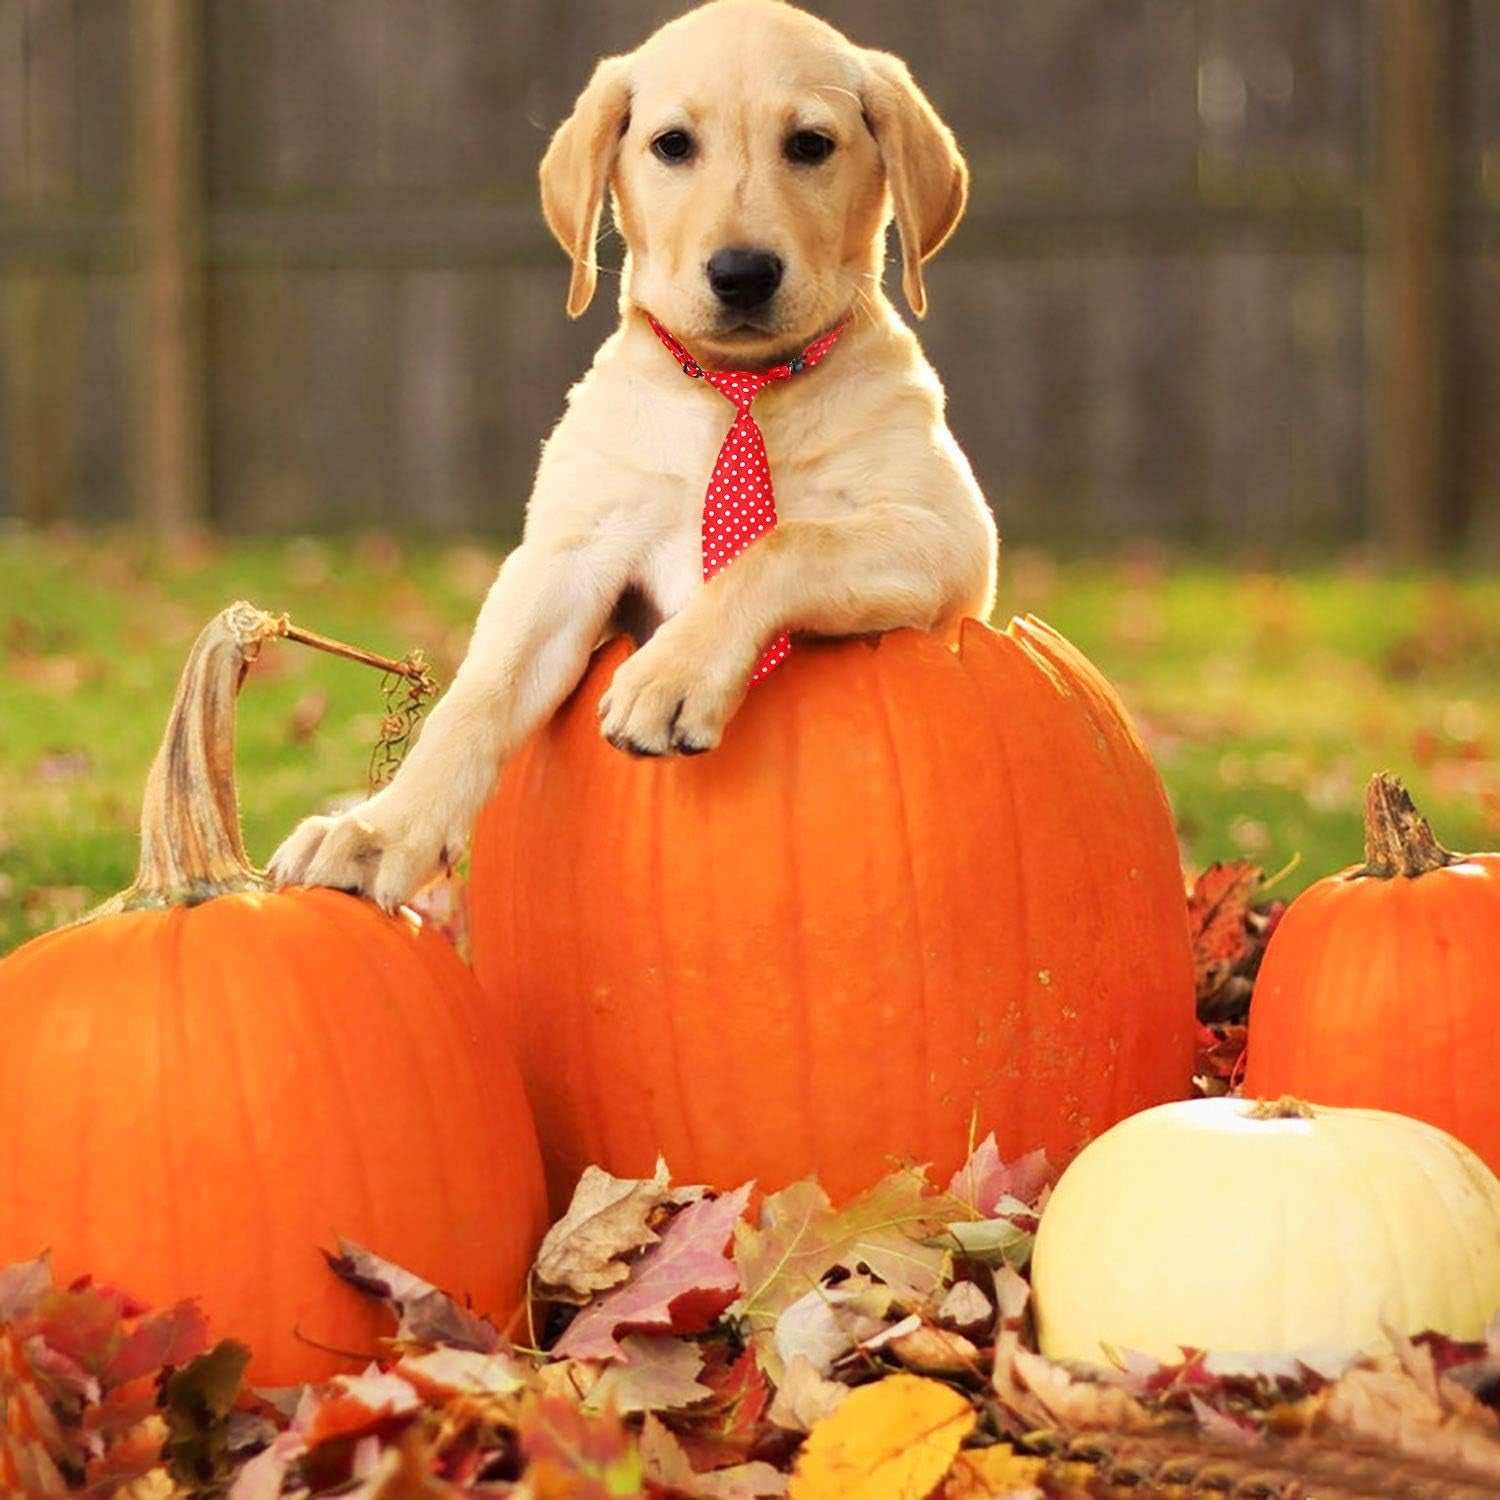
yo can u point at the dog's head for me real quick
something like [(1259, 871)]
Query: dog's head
[(755, 157)]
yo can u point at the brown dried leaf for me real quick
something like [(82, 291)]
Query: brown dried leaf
[(665, 1463), (935, 1351), (607, 1219), (1425, 1416), (803, 1397), (826, 1323), (965, 1309), (679, 1286)]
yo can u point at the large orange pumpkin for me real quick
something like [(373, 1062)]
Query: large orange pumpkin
[(918, 891), (1381, 985), (209, 1081)]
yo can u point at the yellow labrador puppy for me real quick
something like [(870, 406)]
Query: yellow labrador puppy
[(755, 157)]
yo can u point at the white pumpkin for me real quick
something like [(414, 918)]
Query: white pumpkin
[(1231, 1226)]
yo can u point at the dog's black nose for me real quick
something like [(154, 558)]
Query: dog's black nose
[(744, 279)]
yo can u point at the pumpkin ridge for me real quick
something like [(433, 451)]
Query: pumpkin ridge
[(792, 730), (278, 972), (580, 1046), (997, 731), (665, 968), (1112, 731), (210, 966), (172, 960), (1335, 1145), (334, 1065), (908, 863), (1476, 1297), (395, 1000)]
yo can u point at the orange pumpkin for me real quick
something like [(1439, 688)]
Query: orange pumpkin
[(209, 1081), (918, 891), (1381, 985)]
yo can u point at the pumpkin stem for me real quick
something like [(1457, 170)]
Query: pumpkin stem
[(191, 848), (1398, 839), (1285, 1108)]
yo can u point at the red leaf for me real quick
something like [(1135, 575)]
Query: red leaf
[(1218, 912), (679, 1286), (1221, 1052), (571, 1453), (984, 1179), (724, 1430), (171, 1337)]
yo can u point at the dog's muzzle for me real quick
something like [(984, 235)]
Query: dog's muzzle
[(744, 279)]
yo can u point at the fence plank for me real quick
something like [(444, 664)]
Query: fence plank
[(41, 330), (13, 64), (171, 480), (51, 100), (1411, 306)]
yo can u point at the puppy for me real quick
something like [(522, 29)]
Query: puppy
[(754, 158)]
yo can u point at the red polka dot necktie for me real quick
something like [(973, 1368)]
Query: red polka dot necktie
[(740, 505)]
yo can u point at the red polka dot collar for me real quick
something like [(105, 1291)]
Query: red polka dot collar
[(740, 506)]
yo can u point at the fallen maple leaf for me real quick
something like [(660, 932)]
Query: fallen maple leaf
[(1218, 910), (576, 1455), (803, 1397), (801, 1238), (425, 1314), (894, 1440), (965, 1309), (171, 1337), (724, 1429), (606, 1219), (984, 1180), (23, 1285), (1404, 1403), (826, 1323), (445, 1372), (261, 1478), (652, 1374), (354, 1405), (665, 1463), (931, 1350), (679, 1286)]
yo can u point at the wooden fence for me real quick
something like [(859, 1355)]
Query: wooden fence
[(1231, 275)]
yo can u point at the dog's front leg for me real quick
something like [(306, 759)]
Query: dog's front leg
[(887, 566), (545, 612)]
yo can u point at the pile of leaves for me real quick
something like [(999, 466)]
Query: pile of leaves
[(1231, 917), (692, 1344)]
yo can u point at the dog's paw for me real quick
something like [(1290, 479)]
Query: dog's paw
[(664, 703), (368, 850)]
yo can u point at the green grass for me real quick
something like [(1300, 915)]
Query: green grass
[(1267, 699)]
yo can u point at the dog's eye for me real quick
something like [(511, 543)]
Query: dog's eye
[(674, 146), (808, 147)]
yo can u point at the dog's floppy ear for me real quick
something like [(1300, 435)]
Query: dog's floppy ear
[(928, 177), (576, 170)]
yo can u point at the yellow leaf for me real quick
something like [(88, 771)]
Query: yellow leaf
[(893, 1440), (985, 1473), (155, 1485)]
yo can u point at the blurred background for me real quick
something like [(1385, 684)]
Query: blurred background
[(1221, 335)]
